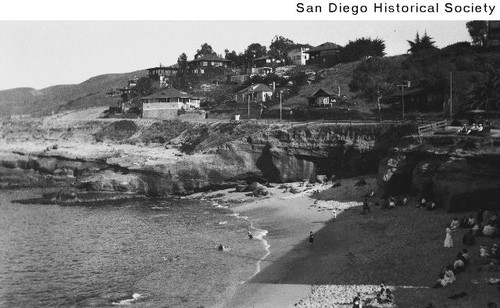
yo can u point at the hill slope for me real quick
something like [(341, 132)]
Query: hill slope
[(90, 93)]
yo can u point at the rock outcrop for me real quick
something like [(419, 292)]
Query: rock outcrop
[(458, 172), (202, 156)]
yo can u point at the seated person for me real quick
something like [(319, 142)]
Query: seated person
[(489, 230), (449, 274), (476, 230), (454, 224), (484, 252), (422, 203), (392, 203), (464, 129), (432, 206), (405, 200), (441, 282), (494, 253), (471, 221), (472, 130), (465, 256), (468, 238), (459, 264)]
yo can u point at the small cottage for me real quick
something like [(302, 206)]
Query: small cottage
[(255, 93), (322, 98)]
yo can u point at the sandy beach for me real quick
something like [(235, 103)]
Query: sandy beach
[(402, 248)]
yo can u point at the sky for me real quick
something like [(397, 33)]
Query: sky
[(41, 53)]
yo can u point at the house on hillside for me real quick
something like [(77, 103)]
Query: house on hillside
[(298, 54), (493, 35), (418, 98), (168, 104), (255, 93), (163, 73), (324, 54), (267, 61), (209, 64), (322, 98)]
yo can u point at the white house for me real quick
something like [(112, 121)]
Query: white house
[(255, 93), (167, 104), (298, 54)]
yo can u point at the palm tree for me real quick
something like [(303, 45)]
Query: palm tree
[(486, 94)]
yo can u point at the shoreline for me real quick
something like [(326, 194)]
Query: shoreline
[(353, 253), (286, 219)]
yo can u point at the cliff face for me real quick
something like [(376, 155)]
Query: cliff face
[(205, 156), (459, 172)]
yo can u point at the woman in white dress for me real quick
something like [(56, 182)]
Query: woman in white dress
[(448, 241)]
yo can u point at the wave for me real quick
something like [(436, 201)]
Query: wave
[(130, 301)]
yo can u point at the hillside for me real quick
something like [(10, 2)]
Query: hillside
[(90, 93)]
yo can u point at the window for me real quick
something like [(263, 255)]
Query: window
[(204, 63)]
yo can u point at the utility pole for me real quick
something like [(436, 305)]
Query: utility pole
[(403, 95), (451, 96), (248, 107), (281, 105)]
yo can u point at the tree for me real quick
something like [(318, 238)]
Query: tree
[(145, 86), (182, 64), (486, 94), (421, 43), (362, 48), (478, 31), (279, 48), (236, 59), (206, 49), (254, 51), (374, 79)]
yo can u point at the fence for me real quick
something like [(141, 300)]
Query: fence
[(432, 126)]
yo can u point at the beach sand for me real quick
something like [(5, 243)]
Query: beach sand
[(402, 248)]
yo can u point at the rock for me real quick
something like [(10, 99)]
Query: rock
[(321, 178), (361, 182), (394, 176), (463, 185)]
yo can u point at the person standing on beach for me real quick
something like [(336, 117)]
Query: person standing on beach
[(311, 237), (356, 302), (448, 241), (366, 206)]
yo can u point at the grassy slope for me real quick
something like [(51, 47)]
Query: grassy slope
[(90, 93)]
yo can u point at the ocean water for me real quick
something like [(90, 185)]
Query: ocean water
[(148, 253)]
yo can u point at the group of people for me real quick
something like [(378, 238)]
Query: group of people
[(459, 264), (491, 255), (387, 203), (474, 129), (384, 296), (488, 223), (427, 204)]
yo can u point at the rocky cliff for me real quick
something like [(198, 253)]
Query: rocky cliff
[(177, 158), (460, 172)]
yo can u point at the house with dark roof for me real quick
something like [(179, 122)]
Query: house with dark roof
[(209, 63), (163, 73), (325, 54), (255, 93), (266, 61), (168, 104), (322, 98)]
